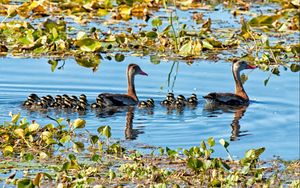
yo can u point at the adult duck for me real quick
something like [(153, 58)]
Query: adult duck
[(240, 96), (128, 99)]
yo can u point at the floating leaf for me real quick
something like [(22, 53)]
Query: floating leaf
[(25, 183), (263, 20), (78, 146), (89, 60), (295, 67), (53, 64), (151, 34), (33, 127), (79, 123), (119, 57), (154, 59), (65, 139), (156, 22), (88, 44)]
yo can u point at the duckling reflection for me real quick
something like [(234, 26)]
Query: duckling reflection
[(239, 112)]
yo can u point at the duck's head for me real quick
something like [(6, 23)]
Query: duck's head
[(134, 69), (241, 65)]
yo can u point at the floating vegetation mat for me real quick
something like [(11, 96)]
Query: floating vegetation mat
[(64, 154), (170, 30)]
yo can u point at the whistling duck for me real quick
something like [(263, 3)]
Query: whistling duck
[(125, 99), (240, 96)]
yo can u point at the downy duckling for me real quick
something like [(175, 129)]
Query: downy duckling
[(166, 103), (192, 100), (170, 97), (142, 104), (181, 98), (179, 104), (34, 97), (28, 103), (81, 106), (83, 97), (67, 104), (150, 103)]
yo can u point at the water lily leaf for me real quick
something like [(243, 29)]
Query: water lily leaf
[(295, 67), (102, 12), (94, 139), (72, 157), (186, 49), (33, 127), (156, 22), (125, 11), (46, 135), (79, 123), (88, 60), (206, 44), (263, 20), (88, 44), (25, 183), (119, 57), (151, 34)]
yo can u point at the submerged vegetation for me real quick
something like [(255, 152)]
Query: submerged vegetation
[(61, 154)]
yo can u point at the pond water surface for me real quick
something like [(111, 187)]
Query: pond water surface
[(271, 120)]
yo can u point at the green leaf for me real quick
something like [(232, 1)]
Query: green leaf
[(244, 78), (33, 127), (78, 146), (151, 34), (186, 49), (211, 141), (195, 164), (275, 71), (79, 123), (65, 139), (94, 139), (154, 59), (25, 183), (95, 158), (156, 22), (224, 143), (88, 44), (53, 64), (119, 57), (295, 67), (28, 157), (7, 150), (72, 157), (15, 117), (263, 20), (106, 131)]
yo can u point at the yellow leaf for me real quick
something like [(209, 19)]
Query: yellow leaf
[(33, 127), (19, 132)]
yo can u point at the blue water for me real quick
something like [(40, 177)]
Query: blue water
[(271, 120)]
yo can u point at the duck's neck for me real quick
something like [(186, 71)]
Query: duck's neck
[(239, 89), (131, 88)]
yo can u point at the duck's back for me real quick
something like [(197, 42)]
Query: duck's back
[(110, 99), (225, 98)]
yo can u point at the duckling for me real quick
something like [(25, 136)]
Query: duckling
[(42, 104), (166, 102), (181, 98), (142, 104), (95, 105), (66, 104), (193, 100), (179, 104), (150, 103), (34, 97), (170, 97), (83, 97), (28, 103), (81, 106)]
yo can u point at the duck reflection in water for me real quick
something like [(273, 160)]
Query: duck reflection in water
[(130, 132), (239, 112)]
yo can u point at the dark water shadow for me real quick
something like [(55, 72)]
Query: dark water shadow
[(238, 112)]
